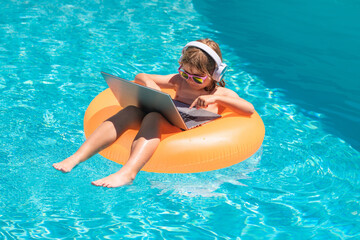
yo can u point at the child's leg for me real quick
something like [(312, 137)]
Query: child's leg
[(103, 136), (143, 147)]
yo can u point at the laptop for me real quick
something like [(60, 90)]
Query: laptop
[(150, 100)]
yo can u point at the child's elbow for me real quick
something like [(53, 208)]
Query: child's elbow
[(250, 110), (140, 76), (245, 111)]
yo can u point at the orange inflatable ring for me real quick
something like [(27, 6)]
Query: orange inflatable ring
[(218, 144)]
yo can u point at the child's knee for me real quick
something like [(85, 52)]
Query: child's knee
[(152, 121), (153, 117)]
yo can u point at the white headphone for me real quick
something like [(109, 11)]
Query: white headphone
[(221, 67)]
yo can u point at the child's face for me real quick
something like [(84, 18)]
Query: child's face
[(194, 71)]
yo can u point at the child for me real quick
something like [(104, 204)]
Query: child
[(199, 83)]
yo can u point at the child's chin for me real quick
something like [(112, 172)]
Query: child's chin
[(196, 86)]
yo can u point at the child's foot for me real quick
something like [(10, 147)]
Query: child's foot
[(114, 180), (66, 165)]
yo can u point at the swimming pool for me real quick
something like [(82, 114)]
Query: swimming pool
[(302, 184)]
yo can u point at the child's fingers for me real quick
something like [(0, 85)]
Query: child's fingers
[(199, 103), (194, 103)]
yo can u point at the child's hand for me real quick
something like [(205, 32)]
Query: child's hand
[(203, 101)]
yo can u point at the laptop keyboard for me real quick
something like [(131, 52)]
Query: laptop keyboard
[(186, 117)]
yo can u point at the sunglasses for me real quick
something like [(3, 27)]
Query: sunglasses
[(195, 78)]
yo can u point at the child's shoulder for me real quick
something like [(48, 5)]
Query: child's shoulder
[(225, 92)]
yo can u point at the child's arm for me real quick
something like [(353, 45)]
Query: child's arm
[(226, 98), (156, 81)]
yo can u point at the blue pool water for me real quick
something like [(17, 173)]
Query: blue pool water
[(304, 181)]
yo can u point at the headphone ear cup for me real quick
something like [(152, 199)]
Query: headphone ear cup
[(215, 75), (219, 72)]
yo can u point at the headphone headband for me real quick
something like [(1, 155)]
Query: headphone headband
[(220, 66), (206, 49)]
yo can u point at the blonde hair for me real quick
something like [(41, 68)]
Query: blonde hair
[(203, 61)]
